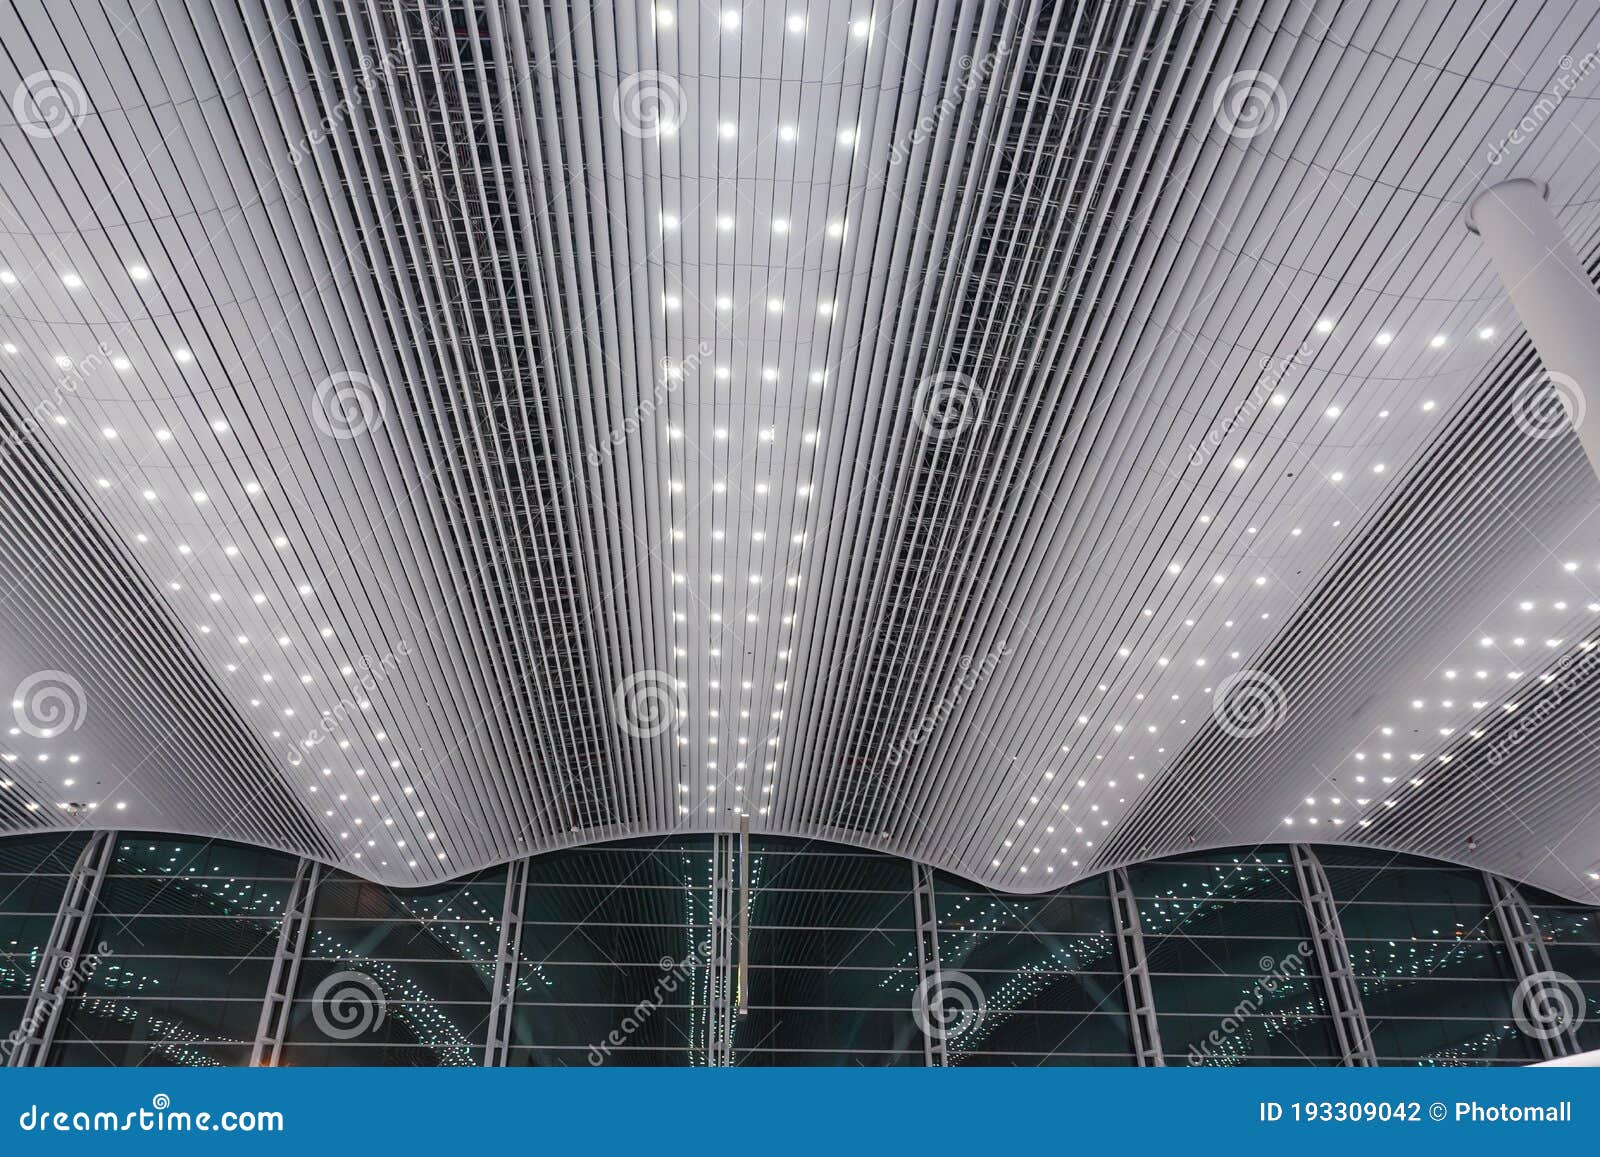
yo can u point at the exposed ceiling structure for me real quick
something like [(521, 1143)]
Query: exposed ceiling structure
[(1027, 438)]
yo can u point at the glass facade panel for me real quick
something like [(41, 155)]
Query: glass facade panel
[(397, 978), (1048, 972), (1234, 976), (185, 931), (33, 878), (615, 951), (1435, 979)]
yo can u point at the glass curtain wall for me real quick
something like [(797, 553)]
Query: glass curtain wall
[(615, 966)]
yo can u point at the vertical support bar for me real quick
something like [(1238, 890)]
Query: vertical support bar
[(719, 1011), (930, 978), (1333, 959), (291, 950), (742, 998), (503, 1000), (1536, 980), (58, 966), (1136, 973)]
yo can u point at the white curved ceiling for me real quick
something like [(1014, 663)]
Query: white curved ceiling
[(442, 432)]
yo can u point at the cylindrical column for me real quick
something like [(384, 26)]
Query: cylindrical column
[(1552, 294)]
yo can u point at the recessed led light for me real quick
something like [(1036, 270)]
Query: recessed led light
[(796, 23), (1383, 339), (138, 273), (72, 281)]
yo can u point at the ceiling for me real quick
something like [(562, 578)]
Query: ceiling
[(1027, 438)]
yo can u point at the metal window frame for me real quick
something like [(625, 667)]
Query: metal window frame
[(503, 1002), (1519, 930), (1343, 993), (720, 1012), (930, 974), (1135, 972), (57, 975), (293, 932)]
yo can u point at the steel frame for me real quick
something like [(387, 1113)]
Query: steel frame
[(930, 976), (1342, 992), (1519, 929), (57, 976), (503, 1001), (1136, 973), (292, 934), (720, 1011)]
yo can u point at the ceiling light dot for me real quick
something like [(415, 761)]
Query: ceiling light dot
[(72, 281), (1383, 339)]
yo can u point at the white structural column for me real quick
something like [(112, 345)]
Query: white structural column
[(1551, 291)]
